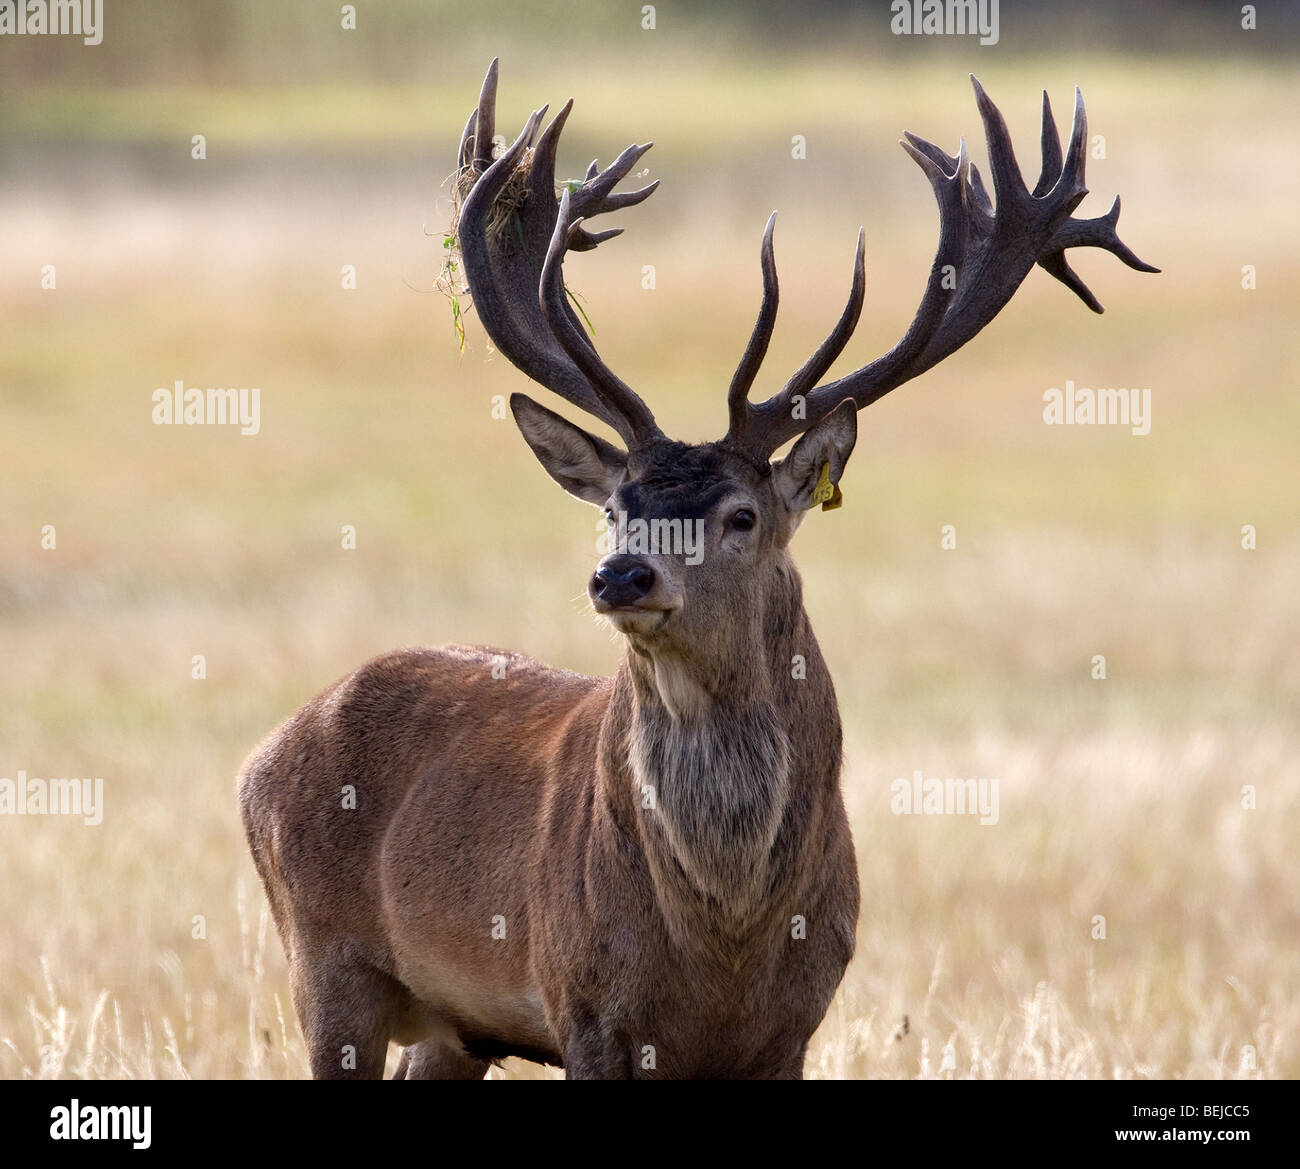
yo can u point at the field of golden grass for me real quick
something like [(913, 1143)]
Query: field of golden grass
[(1120, 798)]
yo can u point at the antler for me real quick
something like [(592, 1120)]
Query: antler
[(983, 256), (513, 237)]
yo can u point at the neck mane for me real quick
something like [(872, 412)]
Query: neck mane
[(723, 765)]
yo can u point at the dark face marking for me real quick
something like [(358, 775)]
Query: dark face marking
[(672, 480), (681, 601)]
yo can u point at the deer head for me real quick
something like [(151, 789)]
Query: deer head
[(731, 507)]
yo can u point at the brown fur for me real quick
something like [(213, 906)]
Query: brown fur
[(650, 842), (667, 850)]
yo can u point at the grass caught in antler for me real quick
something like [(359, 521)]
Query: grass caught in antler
[(503, 217)]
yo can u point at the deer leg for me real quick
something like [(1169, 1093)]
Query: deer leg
[(791, 1069), (590, 1052), (436, 1060), (598, 1062), (346, 1009)]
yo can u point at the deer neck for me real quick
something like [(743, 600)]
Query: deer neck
[(715, 757)]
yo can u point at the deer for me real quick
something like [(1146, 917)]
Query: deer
[(649, 875)]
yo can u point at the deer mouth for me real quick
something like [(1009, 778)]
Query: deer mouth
[(643, 620)]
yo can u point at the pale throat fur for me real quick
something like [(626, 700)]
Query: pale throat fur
[(721, 744)]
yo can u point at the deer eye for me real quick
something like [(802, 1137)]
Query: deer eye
[(743, 520), (609, 515)]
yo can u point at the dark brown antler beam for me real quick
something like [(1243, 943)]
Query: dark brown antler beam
[(513, 234), (986, 248)]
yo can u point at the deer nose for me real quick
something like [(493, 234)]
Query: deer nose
[(622, 580)]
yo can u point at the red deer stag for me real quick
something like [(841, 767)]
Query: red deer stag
[(649, 875)]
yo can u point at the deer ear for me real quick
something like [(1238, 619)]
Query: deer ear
[(828, 444), (584, 465)]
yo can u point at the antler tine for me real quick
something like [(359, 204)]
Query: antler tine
[(773, 422), (1088, 233), (982, 203), (485, 119), (950, 191), (507, 230), (816, 366), (738, 409), (1099, 233), (936, 154), (631, 416), (541, 175), (742, 413), (985, 251), (596, 194), (1051, 148), (1008, 185), (1076, 157)]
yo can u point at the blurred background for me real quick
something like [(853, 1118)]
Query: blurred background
[(142, 947)]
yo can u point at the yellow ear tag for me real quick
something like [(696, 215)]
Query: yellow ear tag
[(826, 493)]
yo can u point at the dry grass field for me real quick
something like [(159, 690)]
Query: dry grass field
[(1120, 798)]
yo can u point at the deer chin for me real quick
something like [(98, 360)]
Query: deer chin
[(637, 621)]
